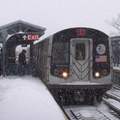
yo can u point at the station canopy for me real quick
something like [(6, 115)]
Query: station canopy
[(19, 27)]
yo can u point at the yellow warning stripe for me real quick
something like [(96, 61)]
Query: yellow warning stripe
[(17, 57)]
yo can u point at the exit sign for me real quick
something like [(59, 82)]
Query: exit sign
[(33, 37)]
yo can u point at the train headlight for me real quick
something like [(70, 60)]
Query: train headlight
[(97, 74), (65, 75)]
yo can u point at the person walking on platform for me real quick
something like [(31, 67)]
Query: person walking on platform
[(22, 63)]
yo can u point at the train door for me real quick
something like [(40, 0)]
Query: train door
[(80, 58)]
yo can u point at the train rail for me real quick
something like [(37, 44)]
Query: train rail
[(88, 113), (114, 93), (113, 100), (109, 109), (116, 87), (114, 105)]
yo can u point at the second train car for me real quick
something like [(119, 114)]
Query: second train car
[(75, 64)]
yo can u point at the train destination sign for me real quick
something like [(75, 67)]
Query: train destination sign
[(81, 32), (31, 37)]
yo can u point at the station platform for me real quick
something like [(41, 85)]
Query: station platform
[(27, 98)]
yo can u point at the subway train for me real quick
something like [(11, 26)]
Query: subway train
[(75, 65), (116, 76)]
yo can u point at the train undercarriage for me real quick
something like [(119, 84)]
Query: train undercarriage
[(77, 95)]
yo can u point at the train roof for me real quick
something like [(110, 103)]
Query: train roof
[(73, 28), (116, 69), (113, 38)]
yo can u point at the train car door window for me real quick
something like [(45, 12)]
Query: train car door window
[(80, 51)]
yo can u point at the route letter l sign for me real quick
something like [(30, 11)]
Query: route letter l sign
[(33, 37)]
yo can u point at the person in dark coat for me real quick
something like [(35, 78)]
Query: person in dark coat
[(22, 63)]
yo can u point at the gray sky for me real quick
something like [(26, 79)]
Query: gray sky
[(56, 15)]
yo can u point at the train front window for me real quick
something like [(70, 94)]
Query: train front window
[(80, 51), (60, 53)]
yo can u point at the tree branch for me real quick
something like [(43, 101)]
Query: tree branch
[(115, 22)]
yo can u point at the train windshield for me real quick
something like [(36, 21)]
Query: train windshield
[(80, 51), (60, 53)]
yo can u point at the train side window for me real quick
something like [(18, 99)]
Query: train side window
[(60, 53), (80, 51)]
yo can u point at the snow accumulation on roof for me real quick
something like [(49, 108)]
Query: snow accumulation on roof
[(116, 68), (19, 27)]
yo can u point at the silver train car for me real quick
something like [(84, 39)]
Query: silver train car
[(75, 65), (116, 76)]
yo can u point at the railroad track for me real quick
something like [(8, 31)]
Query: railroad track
[(114, 105), (112, 99), (88, 113), (109, 109), (114, 93), (116, 87)]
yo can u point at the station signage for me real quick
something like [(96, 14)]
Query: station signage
[(31, 37)]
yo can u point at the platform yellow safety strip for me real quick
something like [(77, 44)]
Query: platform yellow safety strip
[(66, 118), (17, 57)]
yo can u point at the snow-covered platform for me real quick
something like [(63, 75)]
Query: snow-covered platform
[(27, 98)]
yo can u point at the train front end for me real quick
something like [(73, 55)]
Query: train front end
[(80, 68)]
